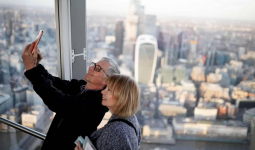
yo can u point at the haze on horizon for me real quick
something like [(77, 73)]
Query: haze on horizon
[(218, 9)]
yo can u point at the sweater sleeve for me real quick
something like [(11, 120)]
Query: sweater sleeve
[(45, 85), (33, 75)]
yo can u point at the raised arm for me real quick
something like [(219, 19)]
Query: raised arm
[(31, 62)]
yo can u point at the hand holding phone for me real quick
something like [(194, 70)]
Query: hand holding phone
[(37, 40)]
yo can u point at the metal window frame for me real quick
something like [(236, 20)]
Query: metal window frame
[(63, 34), (71, 38), (78, 34)]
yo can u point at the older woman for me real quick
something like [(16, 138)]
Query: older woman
[(122, 131)]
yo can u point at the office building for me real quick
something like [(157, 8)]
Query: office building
[(20, 94), (172, 110), (30, 119), (157, 131), (179, 73), (134, 20), (150, 25), (198, 74), (211, 90), (119, 35), (192, 56), (171, 51), (248, 117), (167, 74), (145, 59), (205, 113), (210, 129), (210, 58), (213, 78), (6, 103)]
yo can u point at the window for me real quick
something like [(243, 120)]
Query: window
[(200, 53), (20, 22)]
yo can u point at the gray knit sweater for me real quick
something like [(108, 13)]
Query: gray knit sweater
[(117, 135)]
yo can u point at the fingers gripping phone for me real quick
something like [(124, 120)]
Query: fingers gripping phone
[(37, 40)]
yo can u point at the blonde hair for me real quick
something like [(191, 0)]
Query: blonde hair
[(126, 91)]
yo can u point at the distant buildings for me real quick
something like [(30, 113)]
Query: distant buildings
[(192, 56), (133, 20), (157, 131), (248, 117), (150, 25), (210, 90), (172, 74), (145, 59), (30, 119), (198, 74), (172, 110), (210, 129), (244, 90), (119, 35), (205, 113), (6, 103)]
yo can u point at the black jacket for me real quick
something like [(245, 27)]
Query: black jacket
[(76, 114)]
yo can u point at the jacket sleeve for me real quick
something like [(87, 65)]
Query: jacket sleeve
[(39, 70), (46, 85)]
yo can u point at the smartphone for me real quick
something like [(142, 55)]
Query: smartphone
[(37, 40)]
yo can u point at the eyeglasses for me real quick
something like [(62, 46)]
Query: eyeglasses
[(97, 68)]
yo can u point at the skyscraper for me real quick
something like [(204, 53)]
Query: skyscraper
[(167, 73), (150, 25), (192, 56), (145, 58), (210, 59), (171, 53), (134, 20), (119, 34)]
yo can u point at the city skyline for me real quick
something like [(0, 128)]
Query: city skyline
[(204, 73)]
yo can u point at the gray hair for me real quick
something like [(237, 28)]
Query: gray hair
[(114, 68)]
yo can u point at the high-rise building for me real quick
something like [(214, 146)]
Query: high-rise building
[(183, 40), (20, 94), (6, 103), (197, 74), (192, 56), (248, 116), (119, 36), (205, 113), (167, 74), (145, 59), (179, 73), (171, 52), (150, 25), (134, 20), (210, 58)]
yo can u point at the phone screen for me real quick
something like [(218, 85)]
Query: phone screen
[(37, 40)]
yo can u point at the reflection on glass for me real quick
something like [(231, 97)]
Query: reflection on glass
[(201, 94), (20, 24)]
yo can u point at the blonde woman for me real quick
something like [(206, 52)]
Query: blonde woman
[(122, 131)]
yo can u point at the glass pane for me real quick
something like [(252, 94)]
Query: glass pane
[(20, 23), (194, 62)]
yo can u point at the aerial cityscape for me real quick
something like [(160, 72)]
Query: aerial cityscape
[(196, 76)]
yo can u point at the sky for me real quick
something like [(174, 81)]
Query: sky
[(219, 9)]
